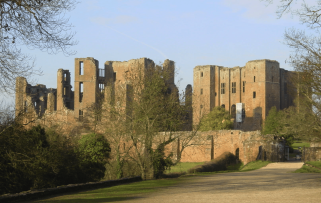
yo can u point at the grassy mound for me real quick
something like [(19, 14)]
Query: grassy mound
[(219, 164)]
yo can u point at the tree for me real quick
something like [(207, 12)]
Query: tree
[(138, 110), (306, 60), (36, 24), (217, 119)]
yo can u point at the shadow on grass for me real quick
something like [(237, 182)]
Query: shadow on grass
[(92, 200)]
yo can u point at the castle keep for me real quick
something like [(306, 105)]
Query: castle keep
[(259, 85)]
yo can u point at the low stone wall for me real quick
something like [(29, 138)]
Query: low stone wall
[(208, 145), (36, 194)]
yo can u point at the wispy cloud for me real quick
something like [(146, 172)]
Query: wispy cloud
[(256, 10), (121, 19)]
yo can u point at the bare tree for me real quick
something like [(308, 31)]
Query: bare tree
[(38, 24)]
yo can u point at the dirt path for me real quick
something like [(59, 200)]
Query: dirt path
[(272, 183)]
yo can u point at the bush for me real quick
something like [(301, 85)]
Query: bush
[(35, 158), (218, 164)]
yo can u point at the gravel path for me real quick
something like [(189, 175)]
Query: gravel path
[(272, 183)]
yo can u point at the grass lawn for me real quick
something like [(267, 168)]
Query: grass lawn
[(255, 165), (296, 145), (134, 190), (307, 169), (314, 163), (183, 167), (116, 193)]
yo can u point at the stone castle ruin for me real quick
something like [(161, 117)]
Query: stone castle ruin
[(255, 88), (258, 86)]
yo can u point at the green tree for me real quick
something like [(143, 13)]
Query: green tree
[(217, 119)]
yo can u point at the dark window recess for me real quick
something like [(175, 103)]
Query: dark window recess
[(244, 86), (233, 87), (81, 115), (215, 94), (65, 93), (201, 74), (81, 93), (114, 77), (81, 67), (233, 111), (201, 106), (222, 88), (201, 91), (254, 79), (285, 88), (223, 106), (254, 94)]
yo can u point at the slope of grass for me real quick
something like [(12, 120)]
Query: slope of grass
[(254, 165), (315, 163), (183, 167), (307, 169), (116, 193)]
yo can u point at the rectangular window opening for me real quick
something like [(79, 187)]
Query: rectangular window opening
[(201, 74), (254, 95), (114, 77), (254, 78), (81, 115), (201, 91), (244, 86), (81, 68), (233, 87), (222, 88), (81, 92), (101, 87)]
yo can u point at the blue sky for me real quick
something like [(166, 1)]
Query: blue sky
[(204, 32)]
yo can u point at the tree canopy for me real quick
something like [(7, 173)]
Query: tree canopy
[(217, 119), (38, 24)]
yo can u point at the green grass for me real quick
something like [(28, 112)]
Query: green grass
[(255, 165), (314, 163), (116, 193), (136, 190), (307, 169), (303, 144), (183, 167)]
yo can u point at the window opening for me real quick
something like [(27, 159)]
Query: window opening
[(81, 115), (254, 78), (223, 106), (65, 77), (101, 87), (244, 86), (65, 93), (222, 88), (233, 87), (233, 111), (81, 93), (114, 77), (254, 95), (201, 74), (101, 72), (201, 91), (201, 106), (81, 68)]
